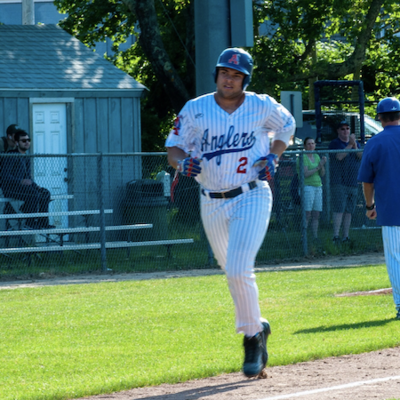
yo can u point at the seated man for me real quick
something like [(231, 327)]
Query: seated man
[(18, 183)]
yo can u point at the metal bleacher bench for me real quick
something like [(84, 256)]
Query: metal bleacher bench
[(94, 246), (15, 208), (53, 197), (61, 232)]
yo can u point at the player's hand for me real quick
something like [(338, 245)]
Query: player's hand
[(268, 166), (189, 166), (371, 214)]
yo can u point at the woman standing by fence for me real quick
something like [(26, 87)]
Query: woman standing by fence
[(313, 169)]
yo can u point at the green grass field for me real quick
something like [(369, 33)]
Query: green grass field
[(64, 342)]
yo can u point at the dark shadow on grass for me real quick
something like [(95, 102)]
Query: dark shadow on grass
[(306, 267), (202, 392), (360, 325)]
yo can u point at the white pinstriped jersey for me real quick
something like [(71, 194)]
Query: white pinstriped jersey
[(229, 144)]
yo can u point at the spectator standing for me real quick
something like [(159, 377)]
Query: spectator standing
[(343, 179), (313, 169), (380, 176), (18, 183)]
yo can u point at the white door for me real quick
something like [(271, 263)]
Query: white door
[(50, 137)]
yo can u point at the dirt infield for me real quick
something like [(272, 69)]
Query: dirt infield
[(368, 376)]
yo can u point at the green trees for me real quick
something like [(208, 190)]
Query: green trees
[(162, 58), (298, 42), (333, 39)]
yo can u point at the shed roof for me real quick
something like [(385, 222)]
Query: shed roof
[(47, 57)]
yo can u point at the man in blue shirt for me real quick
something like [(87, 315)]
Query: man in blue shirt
[(380, 175), (343, 180)]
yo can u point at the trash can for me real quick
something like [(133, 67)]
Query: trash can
[(145, 203)]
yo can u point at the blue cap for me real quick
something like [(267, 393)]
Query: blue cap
[(341, 123), (389, 104)]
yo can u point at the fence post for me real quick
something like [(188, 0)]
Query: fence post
[(102, 214), (204, 237), (303, 211), (327, 187)]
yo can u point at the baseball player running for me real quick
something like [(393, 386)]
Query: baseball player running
[(380, 175), (222, 140)]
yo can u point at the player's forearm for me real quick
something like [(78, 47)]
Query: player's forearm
[(369, 191), (175, 154), (278, 147)]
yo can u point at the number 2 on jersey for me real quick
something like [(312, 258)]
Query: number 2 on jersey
[(241, 169)]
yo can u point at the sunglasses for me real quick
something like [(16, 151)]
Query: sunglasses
[(25, 140)]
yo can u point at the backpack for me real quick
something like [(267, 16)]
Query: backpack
[(294, 189)]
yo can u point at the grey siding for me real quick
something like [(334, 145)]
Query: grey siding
[(94, 125), (14, 111), (103, 105), (107, 125)]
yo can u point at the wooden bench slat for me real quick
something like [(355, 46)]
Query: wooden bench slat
[(93, 246)]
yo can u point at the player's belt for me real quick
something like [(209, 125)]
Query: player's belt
[(230, 193)]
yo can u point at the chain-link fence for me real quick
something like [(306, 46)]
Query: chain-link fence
[(342, 226), (122, 213)]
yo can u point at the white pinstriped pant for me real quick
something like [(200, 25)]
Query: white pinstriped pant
[(235, 229), (391, 246)]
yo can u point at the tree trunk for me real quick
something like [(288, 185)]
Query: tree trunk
[(311, 98), (153, 46), (190, 81), (354, 90)]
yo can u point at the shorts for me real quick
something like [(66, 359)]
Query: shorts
[(313, 198), (344, 199)]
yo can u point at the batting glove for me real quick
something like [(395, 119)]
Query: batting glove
[(268, 166), (189, 166)]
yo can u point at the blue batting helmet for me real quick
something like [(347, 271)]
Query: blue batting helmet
[(237, 59), (389, 104)]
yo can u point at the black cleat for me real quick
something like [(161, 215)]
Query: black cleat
[(255, 351), (398, 314)]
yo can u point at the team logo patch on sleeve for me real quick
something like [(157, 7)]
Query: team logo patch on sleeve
[(177, 125)]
